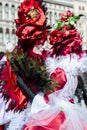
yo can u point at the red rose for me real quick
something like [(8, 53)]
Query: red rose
[(69, 13), (31, 23), (56, 36), (65, 42), (72, 42), (65, 16), (59, 77), (69, 33), (24, 12), (64, 19)]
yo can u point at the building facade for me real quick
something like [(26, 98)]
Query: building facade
[(8, 12), (9, 8), (55, 8)]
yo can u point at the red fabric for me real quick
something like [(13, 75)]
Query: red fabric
[(65, 42), (11, 89), (71, 100), (31, 23), (1, 127), (84, 125), (59, 77), (14, 92), (46, 98), (53, 125)]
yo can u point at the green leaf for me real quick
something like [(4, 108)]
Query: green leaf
[(59, 24), (75, 18)]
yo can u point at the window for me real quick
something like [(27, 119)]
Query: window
[(55, 14), (60, 14), (1, 35), (0, 10), (7, 35), (79, 7), (12, 11), (59, 6), (64, 7), (13, 36), (83, 8), (17, 8), (51, 18), (6, 11)]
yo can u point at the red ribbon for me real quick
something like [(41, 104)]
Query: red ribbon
[(14, 91), (53, 125)]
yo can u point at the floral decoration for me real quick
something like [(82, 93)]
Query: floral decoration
[(65, 38), (31, 23)]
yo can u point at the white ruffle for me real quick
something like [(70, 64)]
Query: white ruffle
[(40, 113), (75, 115), (72, 63), (15, 120)]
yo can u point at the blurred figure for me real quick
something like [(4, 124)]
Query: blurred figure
[(81, 92), (1, 55)]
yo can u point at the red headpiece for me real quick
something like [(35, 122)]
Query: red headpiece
[(66, 39), (31, 23)]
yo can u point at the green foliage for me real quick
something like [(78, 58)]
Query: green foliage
[(74, 19), (68, 22)]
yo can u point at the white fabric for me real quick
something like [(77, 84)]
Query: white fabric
[(40, 113), (59, 100)]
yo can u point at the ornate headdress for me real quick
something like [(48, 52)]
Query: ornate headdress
[(65, 38), (31, 24)]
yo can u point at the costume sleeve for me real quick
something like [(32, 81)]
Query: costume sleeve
[(10, 90), (9, 116)]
